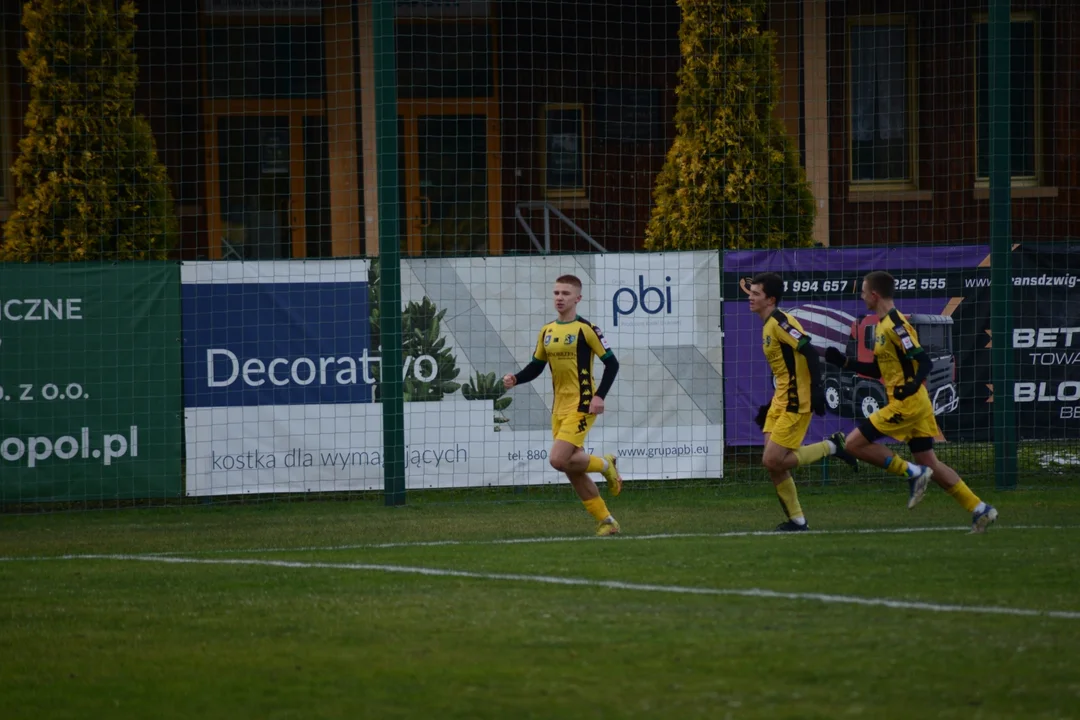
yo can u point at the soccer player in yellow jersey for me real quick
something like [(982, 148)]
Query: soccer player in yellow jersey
[(797, 369), (903, 365), (568, 345)]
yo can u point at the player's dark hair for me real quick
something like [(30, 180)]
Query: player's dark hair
[(771, 284), (881, 282), (569, 280)]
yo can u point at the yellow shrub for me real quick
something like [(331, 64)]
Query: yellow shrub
[(732, 177), (92, 186)]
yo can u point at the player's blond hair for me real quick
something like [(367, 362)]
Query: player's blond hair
[(570, 280)]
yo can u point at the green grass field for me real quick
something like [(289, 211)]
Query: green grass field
[(511, 610)]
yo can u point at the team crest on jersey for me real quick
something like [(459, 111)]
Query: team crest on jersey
[(547, 340), (569, 339), (881, 339)]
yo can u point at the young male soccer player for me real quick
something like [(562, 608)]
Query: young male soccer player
[(795, 364), (568, 345), (903, 365)]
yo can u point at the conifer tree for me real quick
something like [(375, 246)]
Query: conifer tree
[(732, 177), (91, 184)]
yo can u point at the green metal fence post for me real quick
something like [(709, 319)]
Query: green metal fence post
[(999, 37), (386, 146)]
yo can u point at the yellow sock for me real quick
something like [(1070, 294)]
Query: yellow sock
[(597, 508), (812, 453), (897, 466), (789, 498), (962, 494), (596, 464)]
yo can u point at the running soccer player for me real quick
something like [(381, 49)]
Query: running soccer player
[(903, 365), (784, 422), (569, 345)]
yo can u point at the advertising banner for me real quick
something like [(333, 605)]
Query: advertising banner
[(89, 382), (660, 313), (278, 371), (1045, 341), (282, 364), (822, 287)]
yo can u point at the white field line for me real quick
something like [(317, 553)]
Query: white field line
[(593, 538), (542, 540), (605, 584)]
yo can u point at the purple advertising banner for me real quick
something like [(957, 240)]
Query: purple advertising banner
[(822, 287)]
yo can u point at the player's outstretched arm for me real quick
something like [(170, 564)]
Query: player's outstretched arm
[(835, 357), (527, 374), (864, 368)]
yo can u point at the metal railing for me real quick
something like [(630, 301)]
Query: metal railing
[(549, 209)]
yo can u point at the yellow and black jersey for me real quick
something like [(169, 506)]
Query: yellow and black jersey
[(569, 348), (781, 338), (897, 351)]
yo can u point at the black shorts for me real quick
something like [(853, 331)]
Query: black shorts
[(872, 434)]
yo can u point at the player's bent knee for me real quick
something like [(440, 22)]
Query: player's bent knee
[(774, 461)]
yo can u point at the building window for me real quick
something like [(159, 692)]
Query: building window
[(881, 88), (1025, 101), (562, 150)]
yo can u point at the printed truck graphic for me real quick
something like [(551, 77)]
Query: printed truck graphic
[(850, 394)]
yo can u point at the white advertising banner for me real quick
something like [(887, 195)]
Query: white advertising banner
[(654, 304), (281, 366)]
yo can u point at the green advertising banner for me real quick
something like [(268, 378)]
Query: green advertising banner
[(90, 405)]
